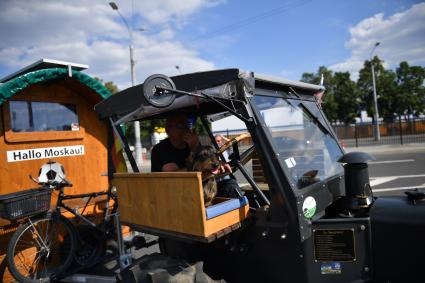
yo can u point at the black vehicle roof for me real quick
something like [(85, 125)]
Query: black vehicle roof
[(132, 105)]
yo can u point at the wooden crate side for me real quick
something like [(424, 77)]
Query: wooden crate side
[(225, 220), (168, 201)]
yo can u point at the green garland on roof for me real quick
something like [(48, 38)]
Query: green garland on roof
[(12, 87)]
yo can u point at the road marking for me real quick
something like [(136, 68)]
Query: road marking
[(391, 161), (397, 189), (375, 181), (380, 180)]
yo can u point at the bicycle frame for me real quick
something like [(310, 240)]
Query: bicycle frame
[(79, 215)]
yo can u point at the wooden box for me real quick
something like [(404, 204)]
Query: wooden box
[(170, 202)]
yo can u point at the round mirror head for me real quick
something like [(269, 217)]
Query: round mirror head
[(158, 90)]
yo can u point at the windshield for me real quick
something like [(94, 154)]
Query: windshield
[(305, 147)]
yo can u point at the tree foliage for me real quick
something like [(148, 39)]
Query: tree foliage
[(345, 93), (340, 100), (411, 90), (398, 93)]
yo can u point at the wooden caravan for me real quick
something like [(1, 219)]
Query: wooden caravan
[(46, 113), (172, 204)]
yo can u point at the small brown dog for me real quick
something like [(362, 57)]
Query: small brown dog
[(206, 161)]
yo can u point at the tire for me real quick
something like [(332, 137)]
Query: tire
[(91, 246), (43, 261)]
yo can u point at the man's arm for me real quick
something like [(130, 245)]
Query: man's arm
[(172, 167)]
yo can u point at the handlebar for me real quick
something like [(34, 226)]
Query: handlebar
[(53, 184), (64, 183)]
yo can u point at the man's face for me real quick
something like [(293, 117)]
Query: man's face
[(219, 141), (176, 127)]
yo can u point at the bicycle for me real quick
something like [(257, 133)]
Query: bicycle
[(47, 243)]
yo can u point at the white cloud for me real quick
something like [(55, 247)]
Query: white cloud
[(402, 38), (90, 32), (163, 10)]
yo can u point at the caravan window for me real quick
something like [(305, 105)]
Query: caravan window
[(31, 116)]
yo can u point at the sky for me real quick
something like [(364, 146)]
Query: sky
[(277, 37)]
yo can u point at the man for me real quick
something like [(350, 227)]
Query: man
[(170, 154), (221, 140)]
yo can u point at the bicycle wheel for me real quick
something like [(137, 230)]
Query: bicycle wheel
[(41, 250)]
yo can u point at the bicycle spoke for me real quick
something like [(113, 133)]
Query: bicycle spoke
[(38, 238)]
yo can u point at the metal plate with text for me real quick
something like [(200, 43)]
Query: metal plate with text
[(334, 245)]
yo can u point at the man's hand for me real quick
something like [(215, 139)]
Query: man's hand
[(192, 140), (225, 168)]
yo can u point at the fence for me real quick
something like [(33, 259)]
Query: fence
[(399, 132)]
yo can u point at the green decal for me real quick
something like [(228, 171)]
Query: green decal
[(309, 207)]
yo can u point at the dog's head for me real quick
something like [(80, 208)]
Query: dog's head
[(205, 160)]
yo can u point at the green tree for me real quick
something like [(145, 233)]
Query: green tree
[(386, 89), (345, 94), (111, 87), (411, 92), (329, 105)]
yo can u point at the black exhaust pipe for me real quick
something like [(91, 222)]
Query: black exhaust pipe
[(358, 193)]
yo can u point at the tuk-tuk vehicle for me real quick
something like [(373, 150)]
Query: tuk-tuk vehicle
[(313, 219)]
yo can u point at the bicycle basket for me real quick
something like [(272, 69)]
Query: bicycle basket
[(25, 203)]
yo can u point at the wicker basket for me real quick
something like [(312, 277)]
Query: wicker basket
[(25, 203)]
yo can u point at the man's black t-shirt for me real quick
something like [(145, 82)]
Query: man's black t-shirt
[(164, 152)]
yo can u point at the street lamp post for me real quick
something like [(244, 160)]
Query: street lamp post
[(375, 99), (136, 124)]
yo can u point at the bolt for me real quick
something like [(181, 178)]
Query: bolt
[(366, 269), (283, 236), (264, 233), (301, 256), (362, 227)]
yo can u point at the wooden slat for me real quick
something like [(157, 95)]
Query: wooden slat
[(169, 201)]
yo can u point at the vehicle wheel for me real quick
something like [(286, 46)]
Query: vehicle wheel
[(91, 246), (40, 251)]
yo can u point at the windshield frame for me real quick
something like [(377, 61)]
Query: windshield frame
[(322, 123)]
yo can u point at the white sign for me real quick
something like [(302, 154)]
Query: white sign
[(290, 162), (47, 152)]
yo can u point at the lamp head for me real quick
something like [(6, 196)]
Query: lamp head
[(113, 5)]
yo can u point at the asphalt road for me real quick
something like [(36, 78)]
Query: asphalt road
[(397, 168)]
